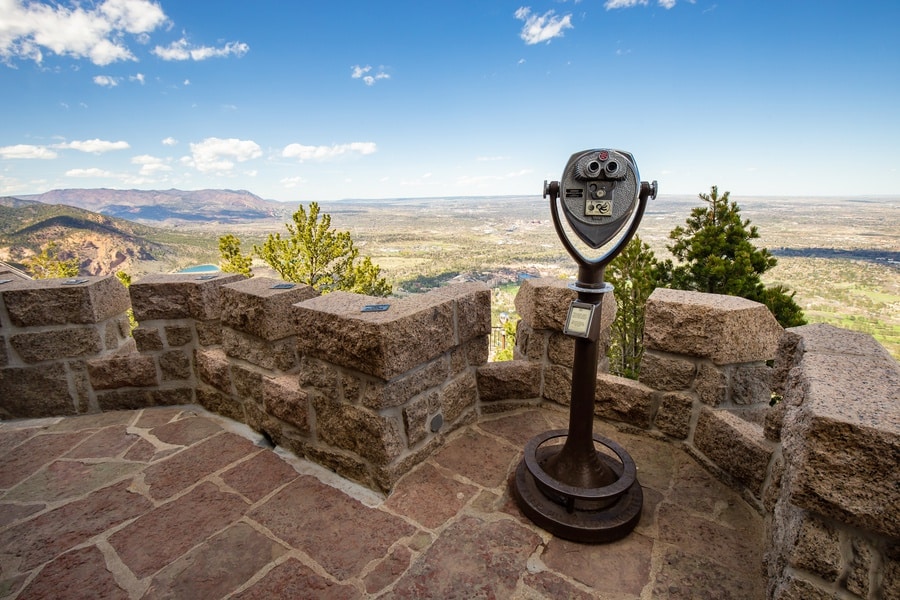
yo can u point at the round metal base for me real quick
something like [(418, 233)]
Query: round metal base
[(577, 515)]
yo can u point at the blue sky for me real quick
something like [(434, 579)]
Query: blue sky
[(301, 101)]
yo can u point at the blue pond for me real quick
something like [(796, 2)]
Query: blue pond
[(200, 269)]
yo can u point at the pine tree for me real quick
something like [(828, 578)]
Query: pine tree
[(49, 264), (715, 255), (633, 274), (232, 259), (315, 254)]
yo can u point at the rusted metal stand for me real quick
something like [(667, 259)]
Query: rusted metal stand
[(574, 490)]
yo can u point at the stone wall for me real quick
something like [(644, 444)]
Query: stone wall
[(821, 464), (367, 394), (370, 394)]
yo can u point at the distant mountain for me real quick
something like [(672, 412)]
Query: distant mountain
[(103, 244), (170, 207)]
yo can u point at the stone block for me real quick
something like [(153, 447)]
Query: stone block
[(171, 396), (626, 400), (561, 349), (417, 415), (283, 398), (179, 296), (379, 395), (209, 333), (247, 383), (214, 368), (275, 355), (558, 384), (674, 415), (254, 306), (735, 446), (751, 384), (458, 395), (4, 355), (178, 335), (130, 399), (666, 373), (711, 384), (472, 306), (37, 302), (147, 339), (414, 330), (53, 344), (321, 377), (861, 563), (509, 380), (724, 329), (543, 303), (174, 365), (817, 546), (530, 345), (122, 371), (841, 431), (795, 588), (34, 392), (367, 434), (222, 404)]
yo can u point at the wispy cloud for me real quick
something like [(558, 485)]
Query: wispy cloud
[(106, 80), (27, 30), (95, 146), (27, 151), (613, 4), (320, 153), (92, 172), (150, 165), (183, 50), (542, 28), (169, 141), (359, 72), (216, 154)]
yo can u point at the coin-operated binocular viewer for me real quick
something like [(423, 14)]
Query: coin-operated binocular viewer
[(573, 490)]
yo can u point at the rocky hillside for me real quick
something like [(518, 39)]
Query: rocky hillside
[(102, 243), (170, 207)]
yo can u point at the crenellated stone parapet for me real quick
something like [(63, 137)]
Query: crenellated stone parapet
[(50, 332), (805, 423), (834, 498)]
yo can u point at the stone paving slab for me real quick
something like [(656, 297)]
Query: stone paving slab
[(177, 503)]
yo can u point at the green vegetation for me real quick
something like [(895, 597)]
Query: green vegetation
[(634, 274), (233, 260), (715, 255), (49, 264), (312, 253)]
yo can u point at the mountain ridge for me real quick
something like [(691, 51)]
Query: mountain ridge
[(167, 207)]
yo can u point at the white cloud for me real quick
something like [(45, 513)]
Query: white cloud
[(26, 151), (613, 4), (96, 33), (542, 28), (92, 172), (182, 50), (358, 72), (139, 78), (169, 141), (327, 152), (106, 80), (95, 146), (292, 182), (215, 154), (150, 165)]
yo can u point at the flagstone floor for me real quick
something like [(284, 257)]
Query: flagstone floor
[(179, 503)]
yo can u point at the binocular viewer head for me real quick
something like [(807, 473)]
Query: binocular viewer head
[(599, 192)]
